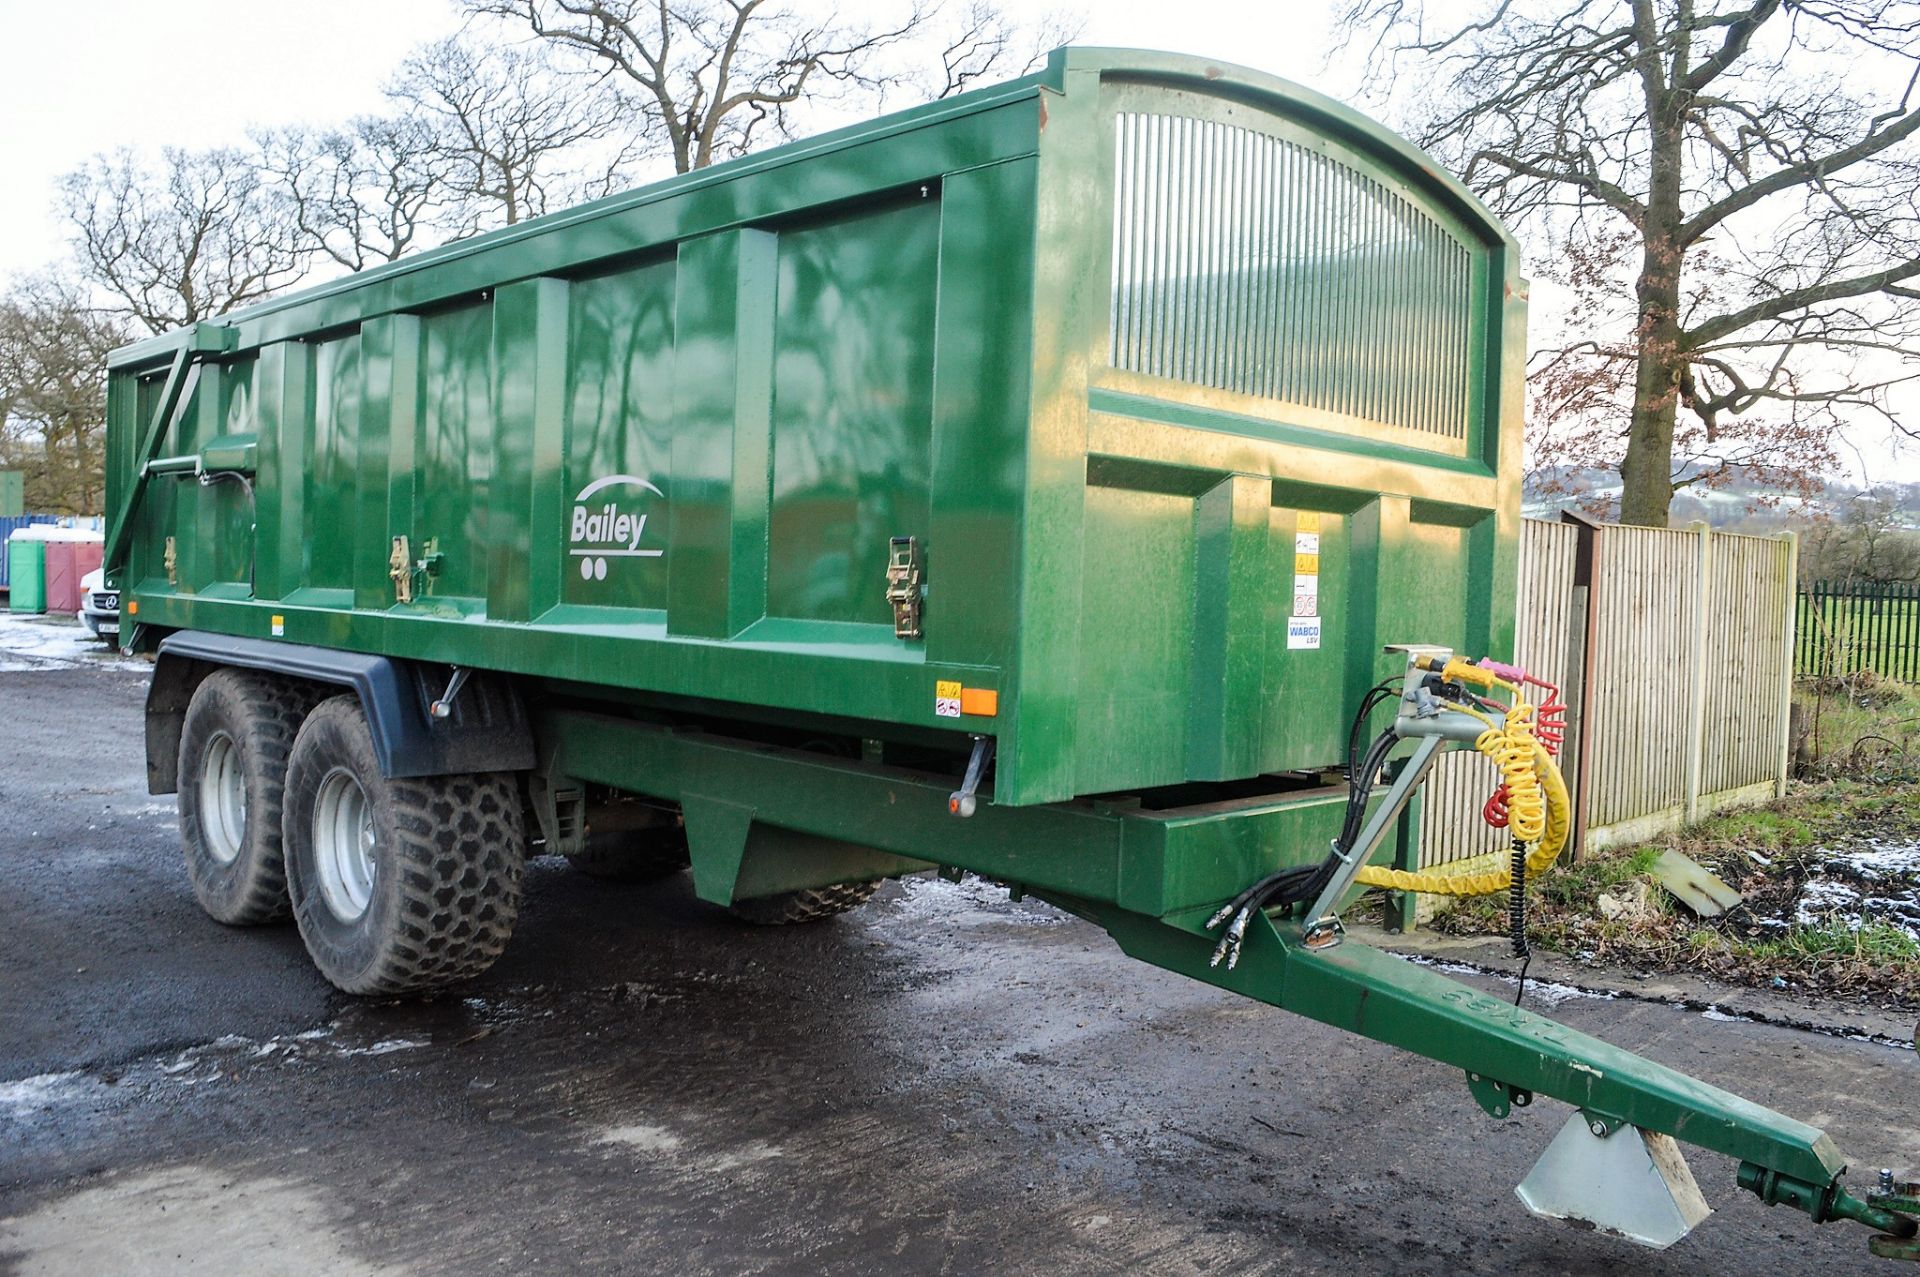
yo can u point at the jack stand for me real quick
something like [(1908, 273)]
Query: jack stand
[(1619, 1178)]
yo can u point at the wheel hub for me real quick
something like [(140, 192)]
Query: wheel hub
[(223, 799), (344, 845)]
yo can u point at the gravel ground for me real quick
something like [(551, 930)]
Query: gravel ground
[(941, 1083)]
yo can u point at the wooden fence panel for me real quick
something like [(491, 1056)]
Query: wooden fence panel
[(1646, 612), (1546, 645), (1682, 699), (1748, 666)]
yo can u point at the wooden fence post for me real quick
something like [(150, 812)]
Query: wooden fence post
[(1792, 610), (1697, 670)]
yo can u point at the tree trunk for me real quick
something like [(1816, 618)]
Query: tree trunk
[(1646, 471)]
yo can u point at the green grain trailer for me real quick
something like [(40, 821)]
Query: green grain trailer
[(1024, 484)]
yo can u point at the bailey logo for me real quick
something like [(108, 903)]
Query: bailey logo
[(604, 528)]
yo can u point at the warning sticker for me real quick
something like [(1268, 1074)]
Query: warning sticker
[(1307, 521), (1306, 542), (1306, 594), (1306, 563), (946, 699), (1304, 632)]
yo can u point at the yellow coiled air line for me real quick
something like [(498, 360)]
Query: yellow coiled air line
[(1539, 811)]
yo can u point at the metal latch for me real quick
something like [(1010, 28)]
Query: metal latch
[(400, 568), (903, 585)]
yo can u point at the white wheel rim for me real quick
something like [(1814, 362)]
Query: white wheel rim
[(344, 845), (223, 799)]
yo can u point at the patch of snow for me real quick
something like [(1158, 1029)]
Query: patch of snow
[(1548, 993), (1874, 881), (647, 1139), (1725, 1017), (33, 644), (42, 1090), (970, 902), (385, 1047)]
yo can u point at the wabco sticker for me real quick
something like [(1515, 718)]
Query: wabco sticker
[(946, 698), (607, 526), (1304, 632)]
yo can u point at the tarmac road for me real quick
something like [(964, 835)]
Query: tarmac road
[(941, 1083)]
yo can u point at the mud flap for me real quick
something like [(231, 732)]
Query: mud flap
[(1621, 1179)]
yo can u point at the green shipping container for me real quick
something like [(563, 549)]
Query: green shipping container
[(26, 575), (1190, 388)]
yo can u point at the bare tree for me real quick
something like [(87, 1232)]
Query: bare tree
[(362, 194), (53, 401), (517, 137), (191, 239), (716, 77), (1729, 188)]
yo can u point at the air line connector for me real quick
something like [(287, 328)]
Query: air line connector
[(1823, 1203)]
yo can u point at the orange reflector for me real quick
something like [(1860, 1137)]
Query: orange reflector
[(981, 701), (133, 607)]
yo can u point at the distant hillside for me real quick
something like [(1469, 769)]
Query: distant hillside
[(1739, 504)]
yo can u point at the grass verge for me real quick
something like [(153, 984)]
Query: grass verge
[(1607, 908)]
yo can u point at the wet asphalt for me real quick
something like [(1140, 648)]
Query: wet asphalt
[(943, 1082)]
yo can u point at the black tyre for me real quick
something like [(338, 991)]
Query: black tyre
[(232, 773), (810, 905), (398, 885)]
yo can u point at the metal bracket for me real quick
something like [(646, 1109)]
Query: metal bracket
[(400, 568), (1497, 1098), (1600, 1125), (961, 802), (443, 707), (1322, 922), (904, 592)]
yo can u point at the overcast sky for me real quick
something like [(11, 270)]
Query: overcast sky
[(199, 73)]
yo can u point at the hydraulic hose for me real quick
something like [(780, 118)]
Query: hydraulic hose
[(1486, 875)]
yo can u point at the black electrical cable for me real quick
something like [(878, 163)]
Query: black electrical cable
[(1297, 884), (1517, 916), (1381, 691)]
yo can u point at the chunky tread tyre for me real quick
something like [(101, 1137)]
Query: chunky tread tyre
[(809, 905), (259, 715), (632, 855), (447, 857)]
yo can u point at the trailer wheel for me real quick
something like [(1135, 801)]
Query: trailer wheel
[(231, 776), (809, 905), (399, 885)]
